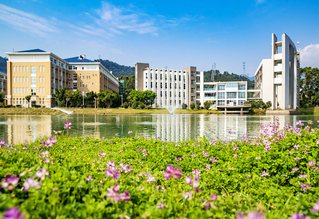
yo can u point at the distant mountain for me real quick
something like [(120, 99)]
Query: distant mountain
[(226, 76), (252, 78), (3, 64), (117, 69)]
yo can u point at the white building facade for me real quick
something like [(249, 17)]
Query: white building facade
[(278, 77)]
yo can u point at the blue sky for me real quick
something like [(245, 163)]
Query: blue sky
[(172, 34)]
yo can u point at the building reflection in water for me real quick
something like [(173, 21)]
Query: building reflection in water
[(26, 127)]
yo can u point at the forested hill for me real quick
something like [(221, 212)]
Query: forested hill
[(3, 64), (227, 77), (117, 69)]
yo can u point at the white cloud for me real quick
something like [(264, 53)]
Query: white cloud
[(25, 21), (309, 56), (260, 1), (118, 19)]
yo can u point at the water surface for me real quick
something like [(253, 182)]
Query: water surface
[(177, 127)]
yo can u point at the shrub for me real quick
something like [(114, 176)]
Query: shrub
[(43, 106), (135, 105), (125, 105), (184, 106), (207, 105), (36, 106), (198, 106), (192, 106), (18, 106), (268, 104), (8, 106), (141, 106), (148, 107)]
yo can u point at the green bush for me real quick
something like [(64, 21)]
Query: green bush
[(184, 106), (18, 106), (141, 106), (135, 105), (198, 106), (192, 106), (148, 107), (36, 106), (207, 105)]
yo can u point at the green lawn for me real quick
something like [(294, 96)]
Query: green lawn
[(309, 111)]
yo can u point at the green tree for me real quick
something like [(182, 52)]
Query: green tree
[(68, 96), (2, 95), (60, 96), (207, 104), (192, 106), (76, 98), (268, 104), (309, 86), (198, 106), (184, 106), (28, 98), (147, 97)]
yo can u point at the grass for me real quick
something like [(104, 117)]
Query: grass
[(115, 111), (195, 111), (29, 111), (309, 111)]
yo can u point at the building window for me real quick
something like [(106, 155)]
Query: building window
[(39, 79), (39, 89), (146, 84), (80, 85), (155, 76), (26, 90), (241, 95), (33, 70), (221, 102), (75, 77), (193, 74), (33, 81), (14, 68), (192, 90), (166, 85), (151, 84), (165, 93), (221, 95), (43, 90), (39, 68), (231, 95), (165, 76), (26, 79), (19, 68), (75, 85), (23, 68), (175, 77), (43, 68), (42, 79), (20, 90), (241, 86), (70, 67), (241, 102), (23, 100), (192, 98), (170, 85), (231, 85), (161, 93), (155, 84), (20, 79), (161, 76), (221, 87), (179, 77), (175, 86), (193, 82), (14, 79), (14, 90), (14, 101), (23, 89)]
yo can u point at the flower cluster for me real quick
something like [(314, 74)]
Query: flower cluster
[(172, 172), (68, 125), (115, 197)]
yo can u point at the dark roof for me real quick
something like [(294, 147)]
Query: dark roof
[(33, 50), (3, 72), (76, 59)]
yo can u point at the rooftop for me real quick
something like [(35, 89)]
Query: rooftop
[(33, 50), (77, 59)]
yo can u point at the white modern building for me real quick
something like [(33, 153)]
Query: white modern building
[(278, 77), (230, 93), (172, 87), (175, 87)]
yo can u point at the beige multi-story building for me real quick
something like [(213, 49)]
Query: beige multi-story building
[(39, 74)]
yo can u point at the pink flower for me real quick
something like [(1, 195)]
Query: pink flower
[(235, 148), (42, 173), (213, 197), (205, 154), (68, 125), (130, 132), (312, 163), (264, 173), (112, 172), (112, 194), (9, 181), (196, 172), (160, 205), (30, 183), (316, 207), (213, 160), (187, 195), (89, 178), (172, 172), (13, 213), (150, 178)]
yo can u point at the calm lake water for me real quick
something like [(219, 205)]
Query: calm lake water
[(17, 128)]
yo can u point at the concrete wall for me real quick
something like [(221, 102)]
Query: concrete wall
[(139, 77)]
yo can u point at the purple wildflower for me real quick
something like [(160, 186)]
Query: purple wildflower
[(312, 163), (9, 181), (295, 169), (130, 132), (30, 183), (172, 172), (68, 125), (150, 178), (112, 194), (112, 172), (89, 178), (299, 123), (316, 207), (235, 148), (178, 159), (187, 195), (160, 205), (299, 216), (258, 158), (305, 187), (196, 172), (297, 146), (144, 154), (213, 197), (303, 176), (13, 213), (264, 173), (255, 215), (205, 154), (213, 160), (235, 155), (42, 173), (110, 164)]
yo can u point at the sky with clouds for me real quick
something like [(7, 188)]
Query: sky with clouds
[(166, 34)]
